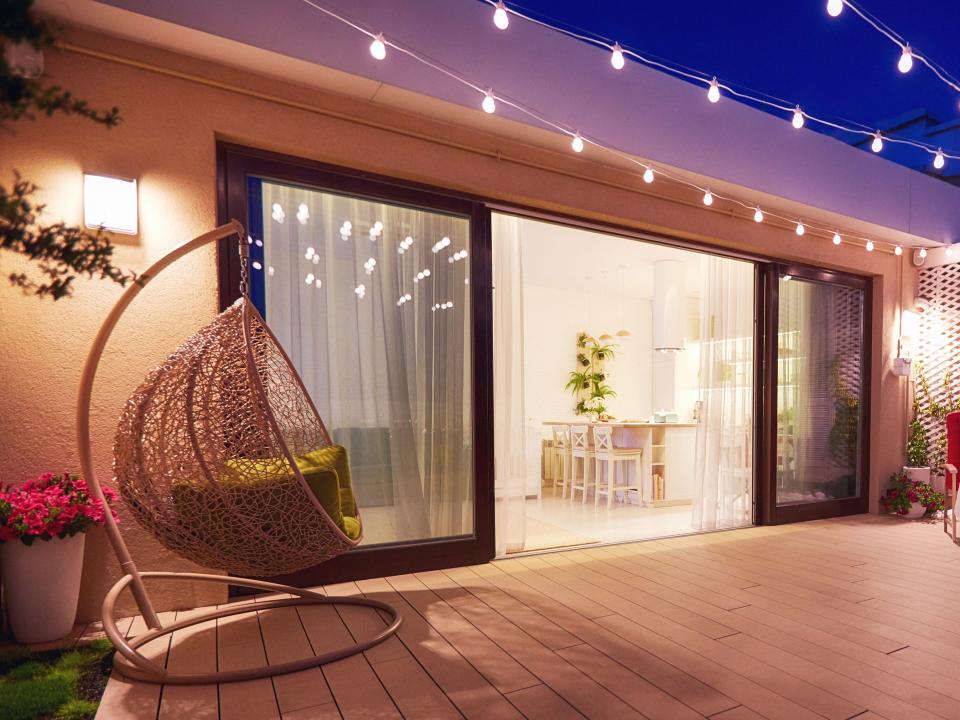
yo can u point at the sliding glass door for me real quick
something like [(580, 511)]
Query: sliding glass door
[(372, 289), (818, 365)]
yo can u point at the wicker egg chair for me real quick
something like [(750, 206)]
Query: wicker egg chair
[(221, 454)]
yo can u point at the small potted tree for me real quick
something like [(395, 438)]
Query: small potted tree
[(42, 526), (918, 450)]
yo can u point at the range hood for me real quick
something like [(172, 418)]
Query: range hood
[(669, 293)]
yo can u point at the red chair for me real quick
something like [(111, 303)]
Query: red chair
[(953, 460)]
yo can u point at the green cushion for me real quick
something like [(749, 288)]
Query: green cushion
[(326, 471)]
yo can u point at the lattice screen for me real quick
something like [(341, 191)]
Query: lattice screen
[(937, 348)]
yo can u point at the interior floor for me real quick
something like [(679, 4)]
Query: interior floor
[(553, 521)]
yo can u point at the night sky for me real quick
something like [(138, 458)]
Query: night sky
[(840, 67)]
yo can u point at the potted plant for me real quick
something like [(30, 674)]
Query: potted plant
[(918, 449), (42, 526), (911, 499)]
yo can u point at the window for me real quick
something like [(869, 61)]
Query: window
[(371, 302)]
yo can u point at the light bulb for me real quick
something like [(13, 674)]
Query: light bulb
[(648, 176), (489, 105), (837, 239), (713, 94), (834, 7), (923, 252), (877, 144), (948, 252), (616, 59), (577, 143), (800, 229), (378, 48), (939, 161), (797, 120), (906, 60), (898, 251), (500, 17), (758, 215), (708, 198), (869, 245)]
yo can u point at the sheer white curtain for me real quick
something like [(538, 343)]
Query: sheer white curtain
[(724, 448), (391, 380), (510, 424)]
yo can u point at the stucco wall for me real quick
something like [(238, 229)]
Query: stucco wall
[(171, 120)]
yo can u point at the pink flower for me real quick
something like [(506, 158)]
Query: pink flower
[(50, 506)]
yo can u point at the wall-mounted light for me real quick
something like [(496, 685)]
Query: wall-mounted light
[(110, 202)]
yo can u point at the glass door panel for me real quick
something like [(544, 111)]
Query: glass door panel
[(371, 301), (819, 392)]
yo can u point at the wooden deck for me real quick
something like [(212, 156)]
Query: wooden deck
[(831, 619)]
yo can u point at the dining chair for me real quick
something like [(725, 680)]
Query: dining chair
[(562, 460), (611, 457), (580, 450)]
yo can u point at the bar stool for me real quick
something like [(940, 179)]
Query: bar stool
[(605, 452), (580, 450), (562, 460)]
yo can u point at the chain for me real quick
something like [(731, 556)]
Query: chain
[(244, 267)]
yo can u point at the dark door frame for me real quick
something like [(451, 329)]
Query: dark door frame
[(235, 164), (769, 513)]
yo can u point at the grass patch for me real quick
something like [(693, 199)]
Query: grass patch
[(56, 684)]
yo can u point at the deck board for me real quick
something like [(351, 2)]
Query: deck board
[(802, 621)]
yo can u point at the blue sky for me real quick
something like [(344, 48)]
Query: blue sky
[(838, 67)]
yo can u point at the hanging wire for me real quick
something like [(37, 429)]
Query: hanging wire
[(570, 131)]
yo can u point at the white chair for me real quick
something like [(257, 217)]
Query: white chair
[(580, 472), (562, 460), (612, 457)]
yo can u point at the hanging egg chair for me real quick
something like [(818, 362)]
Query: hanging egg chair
[(220, 453)]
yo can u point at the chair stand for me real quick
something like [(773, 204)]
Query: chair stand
[(950, 502), (129, 662)]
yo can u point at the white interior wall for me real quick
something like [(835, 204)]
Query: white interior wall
[(552, 319)]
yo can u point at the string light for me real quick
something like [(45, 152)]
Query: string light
[(837, 239), (905, 63), (713, 93), (758, 215), (898, 251), (489, 105), (800, 229), (616, 58), (797, 121), (907, 55), (378, 48), (923, 252), (500, 17), (577, 142), (948, 252), (938, 160), (869, 245)]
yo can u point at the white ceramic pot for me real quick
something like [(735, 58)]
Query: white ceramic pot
[(918, 473), (41, 587), (916, 511)]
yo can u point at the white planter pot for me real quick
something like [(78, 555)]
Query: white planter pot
[(41, 587), (918, 473), (916, 511)]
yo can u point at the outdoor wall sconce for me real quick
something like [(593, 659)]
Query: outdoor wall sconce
[(110, 203)]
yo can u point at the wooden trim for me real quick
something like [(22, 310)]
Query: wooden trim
[(234, 165)]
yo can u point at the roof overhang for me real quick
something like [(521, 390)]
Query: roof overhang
[(645, 113)]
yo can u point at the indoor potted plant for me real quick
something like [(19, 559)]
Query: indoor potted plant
[(42, 525), (918, 449), (911, 499)]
